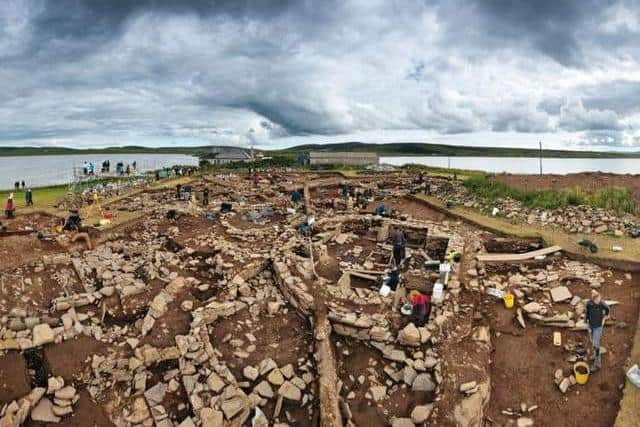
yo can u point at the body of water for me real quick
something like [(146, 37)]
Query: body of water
[(39, 171), (522, 165)]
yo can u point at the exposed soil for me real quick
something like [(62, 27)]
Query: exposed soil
[(526, 360), (356, 361), (14, 378), (29, 248), (520, 364), (72, 358), (86, 413), (285, 338), (410, 207)]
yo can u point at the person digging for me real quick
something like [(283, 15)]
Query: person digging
[(597, 312)]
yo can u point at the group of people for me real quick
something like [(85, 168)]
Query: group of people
[(89, 168), (106, 166), (352, 194)]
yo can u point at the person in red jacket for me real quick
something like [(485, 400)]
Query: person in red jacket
[(421, 308), (9, 208)]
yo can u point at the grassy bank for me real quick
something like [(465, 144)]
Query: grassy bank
[(47, 197), (618, 200), (43, 198)]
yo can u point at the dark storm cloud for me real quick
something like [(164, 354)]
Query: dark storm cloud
[(232, 71), (550, 26)]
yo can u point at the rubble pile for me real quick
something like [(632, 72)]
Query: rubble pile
[(572, 219), (200, 316)]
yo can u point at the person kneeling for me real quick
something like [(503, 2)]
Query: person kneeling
[(421, 308)]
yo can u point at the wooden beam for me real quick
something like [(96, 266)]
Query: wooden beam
[(518, 257)]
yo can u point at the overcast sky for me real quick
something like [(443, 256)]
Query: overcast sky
[(497, 73)]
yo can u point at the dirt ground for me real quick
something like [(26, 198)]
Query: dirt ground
[(14, 379), (586, 180), (524, 363), (357, 362), (520, 364)]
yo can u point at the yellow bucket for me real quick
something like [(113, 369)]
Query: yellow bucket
[(508, 300), (581, 371)]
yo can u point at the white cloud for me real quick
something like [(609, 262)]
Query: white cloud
[(467, 70)]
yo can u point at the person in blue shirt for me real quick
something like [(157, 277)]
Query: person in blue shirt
[(296, 198)]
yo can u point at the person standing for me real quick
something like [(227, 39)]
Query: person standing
[(597, 312), (427, 185), (205, 196), (296, 198), (399, 241), (28, 197), (9, 208)]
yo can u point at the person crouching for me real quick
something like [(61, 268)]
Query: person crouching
[(421, 308)]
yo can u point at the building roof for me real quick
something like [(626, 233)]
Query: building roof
[(230, 154)]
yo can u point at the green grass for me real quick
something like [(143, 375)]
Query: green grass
[(43, 198), (461, 174), (275, 162), (618, 200), (47, 197)]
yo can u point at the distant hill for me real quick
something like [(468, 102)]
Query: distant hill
[(58, 151), (390, 149), (423, 149)]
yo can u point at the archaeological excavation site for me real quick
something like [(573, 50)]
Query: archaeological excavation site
[(302, 299)]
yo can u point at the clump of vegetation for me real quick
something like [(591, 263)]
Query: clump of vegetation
[(618, 200), (274, 162)]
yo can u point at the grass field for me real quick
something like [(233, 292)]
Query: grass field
[(618, 200), (43, 198)]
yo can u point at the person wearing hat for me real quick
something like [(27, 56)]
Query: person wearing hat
[(9, 208)]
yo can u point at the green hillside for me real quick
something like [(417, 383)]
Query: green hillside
[(421, 149)]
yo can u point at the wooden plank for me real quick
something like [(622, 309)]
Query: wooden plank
[(363, 276), (518, 257), (367, 272)]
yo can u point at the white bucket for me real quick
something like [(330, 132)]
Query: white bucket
[(438, 292), (385, 290)]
